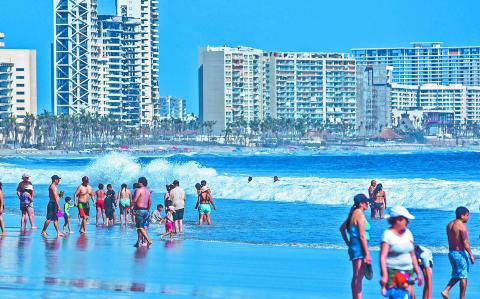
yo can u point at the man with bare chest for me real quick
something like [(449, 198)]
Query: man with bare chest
[(81, 201), (143, 201), (53, 207), (460, 254)]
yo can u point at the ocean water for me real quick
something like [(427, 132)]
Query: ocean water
[(267, 240), (304, 209)]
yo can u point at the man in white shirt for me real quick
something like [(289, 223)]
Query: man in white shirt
[(177, 196)]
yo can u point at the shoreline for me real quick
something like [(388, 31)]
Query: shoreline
[(195, 268), (168, 149)]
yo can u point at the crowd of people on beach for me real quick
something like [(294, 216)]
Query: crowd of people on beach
[(134, 205), (402, 261)]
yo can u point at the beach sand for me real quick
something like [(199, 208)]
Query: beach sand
[(105, 264)]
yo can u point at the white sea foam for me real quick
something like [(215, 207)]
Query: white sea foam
[(117, 168)]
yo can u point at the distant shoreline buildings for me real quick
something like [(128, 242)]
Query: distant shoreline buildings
[(366, 89), (18, 82), (168, 107)]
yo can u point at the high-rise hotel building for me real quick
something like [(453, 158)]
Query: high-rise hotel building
[(429, 76), (106, 64), (146, 12), (250, 84), (314, 86), (18, 82), (231, 85)]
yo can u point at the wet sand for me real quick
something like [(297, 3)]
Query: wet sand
[(105, 264)]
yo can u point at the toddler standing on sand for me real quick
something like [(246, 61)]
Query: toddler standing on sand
[(66, 213)]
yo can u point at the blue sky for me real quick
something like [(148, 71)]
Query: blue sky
[(281, 25)]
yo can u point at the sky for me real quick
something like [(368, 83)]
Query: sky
[(277, 25)]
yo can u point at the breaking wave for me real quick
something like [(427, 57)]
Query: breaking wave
[(117, 168)]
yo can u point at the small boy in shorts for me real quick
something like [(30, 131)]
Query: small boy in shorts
[(66, 213)]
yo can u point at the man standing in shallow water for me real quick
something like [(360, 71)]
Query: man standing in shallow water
[(143, 201), (459, 247), (81, 201), (53, 207)]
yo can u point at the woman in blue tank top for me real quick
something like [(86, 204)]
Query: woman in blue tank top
[(355, 233)]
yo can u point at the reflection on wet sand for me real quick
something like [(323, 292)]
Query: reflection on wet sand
[(82, 242)]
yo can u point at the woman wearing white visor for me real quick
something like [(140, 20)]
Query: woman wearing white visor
[(397, 251)]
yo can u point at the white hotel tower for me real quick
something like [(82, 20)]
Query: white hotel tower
[(101, 65)]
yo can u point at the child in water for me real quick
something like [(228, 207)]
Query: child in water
[(168, 223), (156, 217), (25, 202), (110, 206), (66, 213), (401, 281)]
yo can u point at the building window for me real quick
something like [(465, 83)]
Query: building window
[(20, 101), (20, 77), (20, 93), (20, 69), (20, 85), (20, 116), (20, 108)]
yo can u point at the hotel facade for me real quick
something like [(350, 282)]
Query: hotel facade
[(246, 84), (106, 64), (18, 82)]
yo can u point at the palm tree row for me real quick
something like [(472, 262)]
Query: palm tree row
[(91, 130), (87, 130)]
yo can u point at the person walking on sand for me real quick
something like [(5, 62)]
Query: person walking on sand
[(100, 204), (177, 196), (83, 192), (143, 201), (371, 196), (460, 253), (53, 206), (20, 190), (2, 208), (355, 233), (397, 252)]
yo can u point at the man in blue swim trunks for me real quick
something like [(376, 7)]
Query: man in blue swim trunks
[(460, 254)]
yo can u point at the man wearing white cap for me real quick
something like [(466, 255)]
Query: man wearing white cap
[(397, 252), (20, 190)]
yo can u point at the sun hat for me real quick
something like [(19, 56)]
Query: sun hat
[(56, 177), (205, 189), (399, 211), (25, 175), (359, 198)]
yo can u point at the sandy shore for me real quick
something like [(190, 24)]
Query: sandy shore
[(104, 264)]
